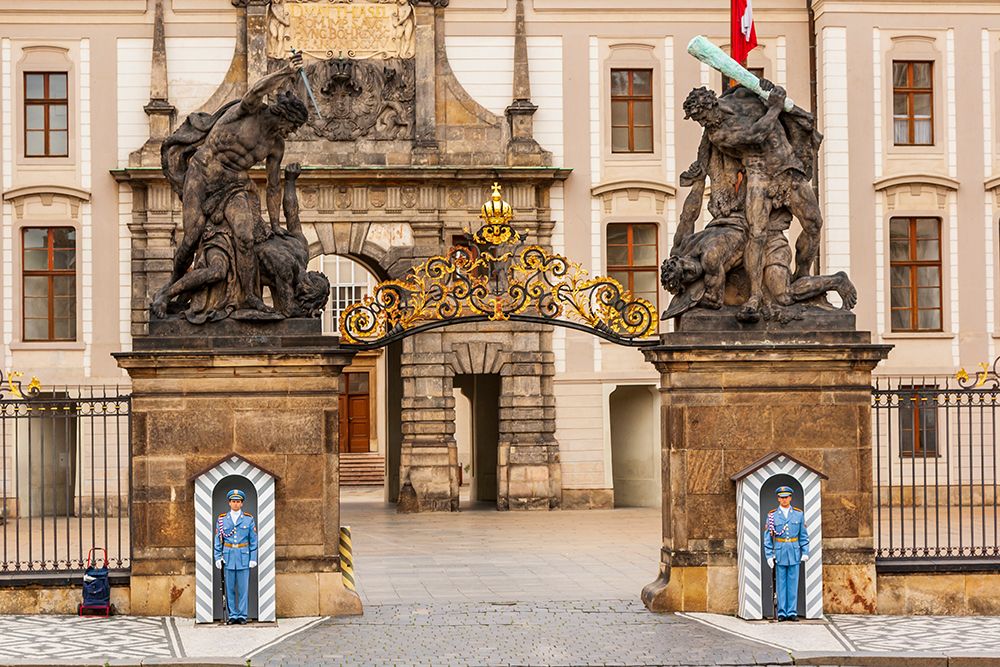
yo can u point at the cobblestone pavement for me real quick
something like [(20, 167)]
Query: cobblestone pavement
[(481, 555), (597, 632)]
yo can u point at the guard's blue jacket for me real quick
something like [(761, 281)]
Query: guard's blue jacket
[(236, 544), (786, 540)]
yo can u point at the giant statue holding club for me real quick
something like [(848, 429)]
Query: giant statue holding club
[(757, 153)]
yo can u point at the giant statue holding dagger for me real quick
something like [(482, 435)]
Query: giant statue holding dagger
[(228, 251)]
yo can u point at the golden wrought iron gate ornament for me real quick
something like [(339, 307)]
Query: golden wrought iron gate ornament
[(505, 280)]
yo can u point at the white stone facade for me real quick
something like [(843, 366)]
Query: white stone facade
[(864, 179)]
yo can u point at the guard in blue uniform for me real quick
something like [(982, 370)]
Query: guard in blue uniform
[(786, 544), (236, 550)]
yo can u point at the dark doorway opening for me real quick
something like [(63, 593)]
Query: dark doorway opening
[(393, 418), (483, 394)]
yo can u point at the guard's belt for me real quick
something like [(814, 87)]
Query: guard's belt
[(240, 545), (781, 539)]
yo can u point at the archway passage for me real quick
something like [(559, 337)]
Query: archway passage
[(635, 447), (491, 291), (482, 399)]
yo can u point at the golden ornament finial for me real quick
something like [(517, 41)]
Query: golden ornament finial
[(496, 211)]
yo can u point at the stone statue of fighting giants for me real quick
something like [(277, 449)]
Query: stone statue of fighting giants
[(757, 151), (229, 252)]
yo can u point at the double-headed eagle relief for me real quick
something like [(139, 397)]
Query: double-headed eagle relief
[(756, 160)]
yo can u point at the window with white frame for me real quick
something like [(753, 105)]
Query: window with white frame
[(350, 283)]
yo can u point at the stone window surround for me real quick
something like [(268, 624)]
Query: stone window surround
[(634, 190), (632, 55), (894, 189), (73, 198), (46, 58), (920, 48)]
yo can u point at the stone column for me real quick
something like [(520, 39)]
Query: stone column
[(425, 143), (731, 398), (202, 393), (529, 475), (256, 36), (429, 455), (153, 229)]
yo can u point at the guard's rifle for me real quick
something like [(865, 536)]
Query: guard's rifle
[(225, 602), (774, 591)]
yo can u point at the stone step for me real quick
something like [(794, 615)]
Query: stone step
[(362, 469)]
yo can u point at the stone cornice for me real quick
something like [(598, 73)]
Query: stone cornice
[(992, 183), (822, 7), (409, 174), (633, 184), (61, 190), (936, 181)]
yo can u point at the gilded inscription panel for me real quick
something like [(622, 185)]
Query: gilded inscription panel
[(380, 29)]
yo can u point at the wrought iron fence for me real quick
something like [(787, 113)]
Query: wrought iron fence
[(935, 470), (64, 480)]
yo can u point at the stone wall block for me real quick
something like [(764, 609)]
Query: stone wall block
[(297, 521), (711, 516), (849, 589), (178, 432), (704, 472), (843, 514), (301, 476), (723, 589), (289, 432), (171, 524), (736, 427)]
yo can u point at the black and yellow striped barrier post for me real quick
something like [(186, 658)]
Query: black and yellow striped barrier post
[(347, 558)]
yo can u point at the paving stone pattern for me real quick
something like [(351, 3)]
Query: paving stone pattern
[(46, 638), (481, 555), (921, 633), (596, 632)]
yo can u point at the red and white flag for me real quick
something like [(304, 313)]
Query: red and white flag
[(743, 35)]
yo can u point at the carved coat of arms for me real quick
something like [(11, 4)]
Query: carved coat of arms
[(364, 77)]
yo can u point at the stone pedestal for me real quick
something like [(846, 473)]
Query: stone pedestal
[(730, 398), (267, 392)]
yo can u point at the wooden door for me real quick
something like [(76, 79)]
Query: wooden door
[(355, 420)]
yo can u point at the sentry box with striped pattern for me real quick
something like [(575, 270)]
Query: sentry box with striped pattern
[(755, 496), (209, 489)]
